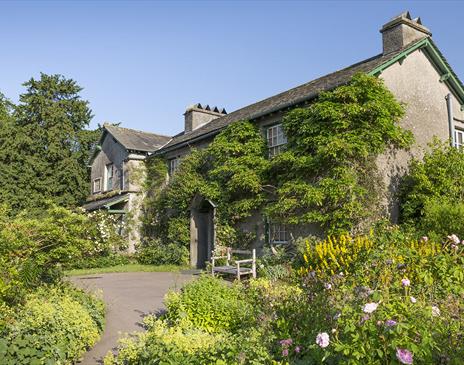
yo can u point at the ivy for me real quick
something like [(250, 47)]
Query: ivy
[(228, 172), (326, 176), (328, 173)]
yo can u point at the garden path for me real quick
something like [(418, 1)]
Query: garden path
[(128, 297)]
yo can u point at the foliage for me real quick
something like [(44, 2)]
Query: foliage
[(393, 295), (432, 191), (228, 172), (164, 344), (274, 263), (335, 254), (208, 303), (400, 281), (101, 261), (44, 146), (34, 250), (53, 326), (156, 253), (328, 174), (126, 268)]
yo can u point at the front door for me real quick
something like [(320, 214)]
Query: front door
[(201, 233)]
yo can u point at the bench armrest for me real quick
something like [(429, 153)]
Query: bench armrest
[(244, 261), (218, 257)]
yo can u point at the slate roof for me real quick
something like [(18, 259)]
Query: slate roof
[(105, 202), (285, 99), (135, 140)]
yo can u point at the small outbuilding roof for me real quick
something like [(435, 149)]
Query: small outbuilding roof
[(106, 203)]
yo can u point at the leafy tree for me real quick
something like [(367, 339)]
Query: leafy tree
[(44, 151), (432, 193), (328, 174)]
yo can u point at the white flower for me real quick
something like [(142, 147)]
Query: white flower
[(334, 330), (370, 307), (323, 339), (413, 300), (337, 316), (435, 311), (328, 286), (454, 238)]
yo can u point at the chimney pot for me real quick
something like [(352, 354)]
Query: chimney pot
[(197, 115), (401, 31)]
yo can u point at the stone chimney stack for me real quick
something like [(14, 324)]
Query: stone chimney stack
[(197, 115), (401, 31)]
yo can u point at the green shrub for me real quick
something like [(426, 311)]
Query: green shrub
[(441, 217), (111, 259), (437, 176), (165, 344), (157, 253), (209, 304), (53, 326), (35, 249)]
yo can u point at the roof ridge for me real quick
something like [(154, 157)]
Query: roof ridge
[(135, 130)]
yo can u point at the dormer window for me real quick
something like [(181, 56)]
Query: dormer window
[(276, 140), (97, 185), (109, 176)]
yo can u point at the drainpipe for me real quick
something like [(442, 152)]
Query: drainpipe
[(449, 104)]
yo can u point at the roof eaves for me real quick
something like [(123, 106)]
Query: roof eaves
[(433, 53)]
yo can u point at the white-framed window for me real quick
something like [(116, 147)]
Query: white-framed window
[(173, 165), (276, 139), (458, 138), (109, 176), (97, 185), (278, 233)]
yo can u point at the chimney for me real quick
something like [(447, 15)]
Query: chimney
[(197, 115), (401, 31)]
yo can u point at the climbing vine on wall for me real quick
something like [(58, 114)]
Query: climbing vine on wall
[(327, 175), (228, 172)]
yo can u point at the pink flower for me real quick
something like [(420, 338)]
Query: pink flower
[(285, 352), (364, 318), (405, 282), (404, 356), (424, 239), (297, 349), (413, 300), (370, 307), (287, 342), (323, 339)]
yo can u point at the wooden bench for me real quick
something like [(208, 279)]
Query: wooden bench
[(237, 268)]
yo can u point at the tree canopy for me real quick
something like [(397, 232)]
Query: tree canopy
[(44, 144)]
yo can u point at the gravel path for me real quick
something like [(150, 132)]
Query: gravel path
[(128, 297)]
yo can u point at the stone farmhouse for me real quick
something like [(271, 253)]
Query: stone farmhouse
[(116, 167), (410, 64)]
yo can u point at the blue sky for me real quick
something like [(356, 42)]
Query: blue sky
[(143, 63)]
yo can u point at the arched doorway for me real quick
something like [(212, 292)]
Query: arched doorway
[(202, 231)]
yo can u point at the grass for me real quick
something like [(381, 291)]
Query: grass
[(126, 268)]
